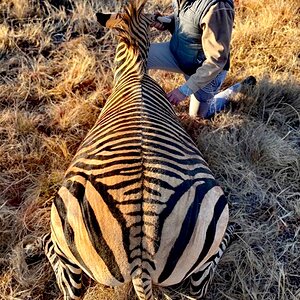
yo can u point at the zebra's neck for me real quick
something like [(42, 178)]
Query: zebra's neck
[(130, 63)]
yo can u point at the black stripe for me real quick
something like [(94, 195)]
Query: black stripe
[(198, 275), (150, 262), (128, 92), (166, 143), (133, 191), (112, 205), (211, 231), (178, 175), (170, 204), (114, 146), (187, 227), (152, 191), (115, 109), (129, 202), (134, 269), (68, 232), (141, 223), (114, 155), (139, 256), (146, 272), (66, 261), (67, 276), (102, 166), (132, 137), (101, 131), (64, 287), (175, 164), (147, 294), (145, 279), (94, 230)]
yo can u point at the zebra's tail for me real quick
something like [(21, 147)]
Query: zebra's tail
[(143, 286)]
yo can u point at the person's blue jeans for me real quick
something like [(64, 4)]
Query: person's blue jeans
[(205, 102)]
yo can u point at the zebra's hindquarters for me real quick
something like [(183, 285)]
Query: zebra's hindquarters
[(87, 233), (191, 235)]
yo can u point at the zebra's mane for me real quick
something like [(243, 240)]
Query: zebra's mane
[(131, 14)]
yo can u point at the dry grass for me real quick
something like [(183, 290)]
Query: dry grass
[(55, 75)]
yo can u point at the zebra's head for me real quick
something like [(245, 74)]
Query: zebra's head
[(132, 27)]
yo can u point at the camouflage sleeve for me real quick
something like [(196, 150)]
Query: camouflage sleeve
[(217, 27)]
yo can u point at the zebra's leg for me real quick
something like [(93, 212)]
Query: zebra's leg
[(68, 275), (200, 280)]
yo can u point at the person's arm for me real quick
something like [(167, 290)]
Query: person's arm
[(217, 28)]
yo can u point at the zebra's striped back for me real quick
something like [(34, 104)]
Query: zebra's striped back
[(138, 201)]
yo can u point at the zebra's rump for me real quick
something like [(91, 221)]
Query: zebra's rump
[(139, 196)]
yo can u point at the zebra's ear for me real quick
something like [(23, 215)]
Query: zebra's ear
[(103, 18), (112, 21)]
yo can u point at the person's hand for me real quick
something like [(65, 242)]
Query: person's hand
[(175, 97), (156, 24)]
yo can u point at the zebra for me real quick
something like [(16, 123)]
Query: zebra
[(138, 202)]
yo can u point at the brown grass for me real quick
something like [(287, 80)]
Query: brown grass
[(55, 75)]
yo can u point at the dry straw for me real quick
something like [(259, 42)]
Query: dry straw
[(55, 76)]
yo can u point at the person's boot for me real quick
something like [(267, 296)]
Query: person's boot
[(221, 100), (250, 81)]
